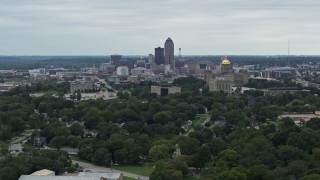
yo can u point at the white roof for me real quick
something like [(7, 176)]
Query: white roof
[(31, 177), (104, 175), (43, 172), (81, 176)]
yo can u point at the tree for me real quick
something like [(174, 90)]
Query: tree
[(107, 115), (92, 118), (228, 156), (76, 129), (235, 116), (3, 148), (258, 172), (298, 168), (202, 156), (310, 177), (8, 173), (316, 156), (232, 175), (120, 156), (78, 95), (58, 142), (159, 152), (288, 154), (86, 152), (163, 117), (313, 123), (188, 145), (17, 124), (102, 157), (217, 145)]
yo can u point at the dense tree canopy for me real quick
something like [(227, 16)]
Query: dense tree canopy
[(220, 136)]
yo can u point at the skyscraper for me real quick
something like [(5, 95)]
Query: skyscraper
[(169, 52), (151, 59), (115, 59), (159, 55)]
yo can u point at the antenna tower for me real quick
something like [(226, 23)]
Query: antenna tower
[(288, 53)]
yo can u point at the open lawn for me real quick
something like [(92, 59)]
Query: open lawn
[(144, 170), (128, 178)]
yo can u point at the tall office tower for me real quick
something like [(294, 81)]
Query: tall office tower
[(169, 52), (151, 59), (115, 59), (159, 55)]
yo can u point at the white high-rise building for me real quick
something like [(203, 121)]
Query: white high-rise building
[(151, 59), (123, 71)]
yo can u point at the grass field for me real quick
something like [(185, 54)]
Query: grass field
[(128, 178), (144, 170)]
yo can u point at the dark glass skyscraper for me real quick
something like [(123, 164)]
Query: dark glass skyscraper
[(159, 55), (169, 52), (115, 59)]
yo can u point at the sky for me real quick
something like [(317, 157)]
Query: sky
[(136, 27)]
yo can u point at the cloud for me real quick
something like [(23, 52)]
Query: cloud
[(136, 27)]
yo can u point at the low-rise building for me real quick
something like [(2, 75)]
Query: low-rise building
[(220, 84), (123, 71), (37, 72), (80, 176), (104, 176), (8, 73), (83, 84), (280, 72), (165, 90)]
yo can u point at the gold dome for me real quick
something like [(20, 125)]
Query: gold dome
[(225, 61)]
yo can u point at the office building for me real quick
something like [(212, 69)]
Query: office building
[(159, 55), (123, 71), (220, 84), (151, 59), (129, 64), (280, 72), (82, 85), (165, 90), (115, 59), (108, 68), (169, 52)]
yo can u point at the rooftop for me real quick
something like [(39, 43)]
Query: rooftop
[(43, 172)]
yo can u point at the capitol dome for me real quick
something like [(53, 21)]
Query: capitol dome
[(225, 61)]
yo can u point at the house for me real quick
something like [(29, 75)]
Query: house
[(71, 151), (39, 141)]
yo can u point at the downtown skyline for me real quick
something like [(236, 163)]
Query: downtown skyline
[(243, 27)]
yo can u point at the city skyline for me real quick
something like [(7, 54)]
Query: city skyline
[(243, 27)]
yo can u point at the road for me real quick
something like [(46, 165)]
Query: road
[(205, 118), (16, 144), (94, 168)]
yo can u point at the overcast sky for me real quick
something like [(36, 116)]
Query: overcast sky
[(136, 27)]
